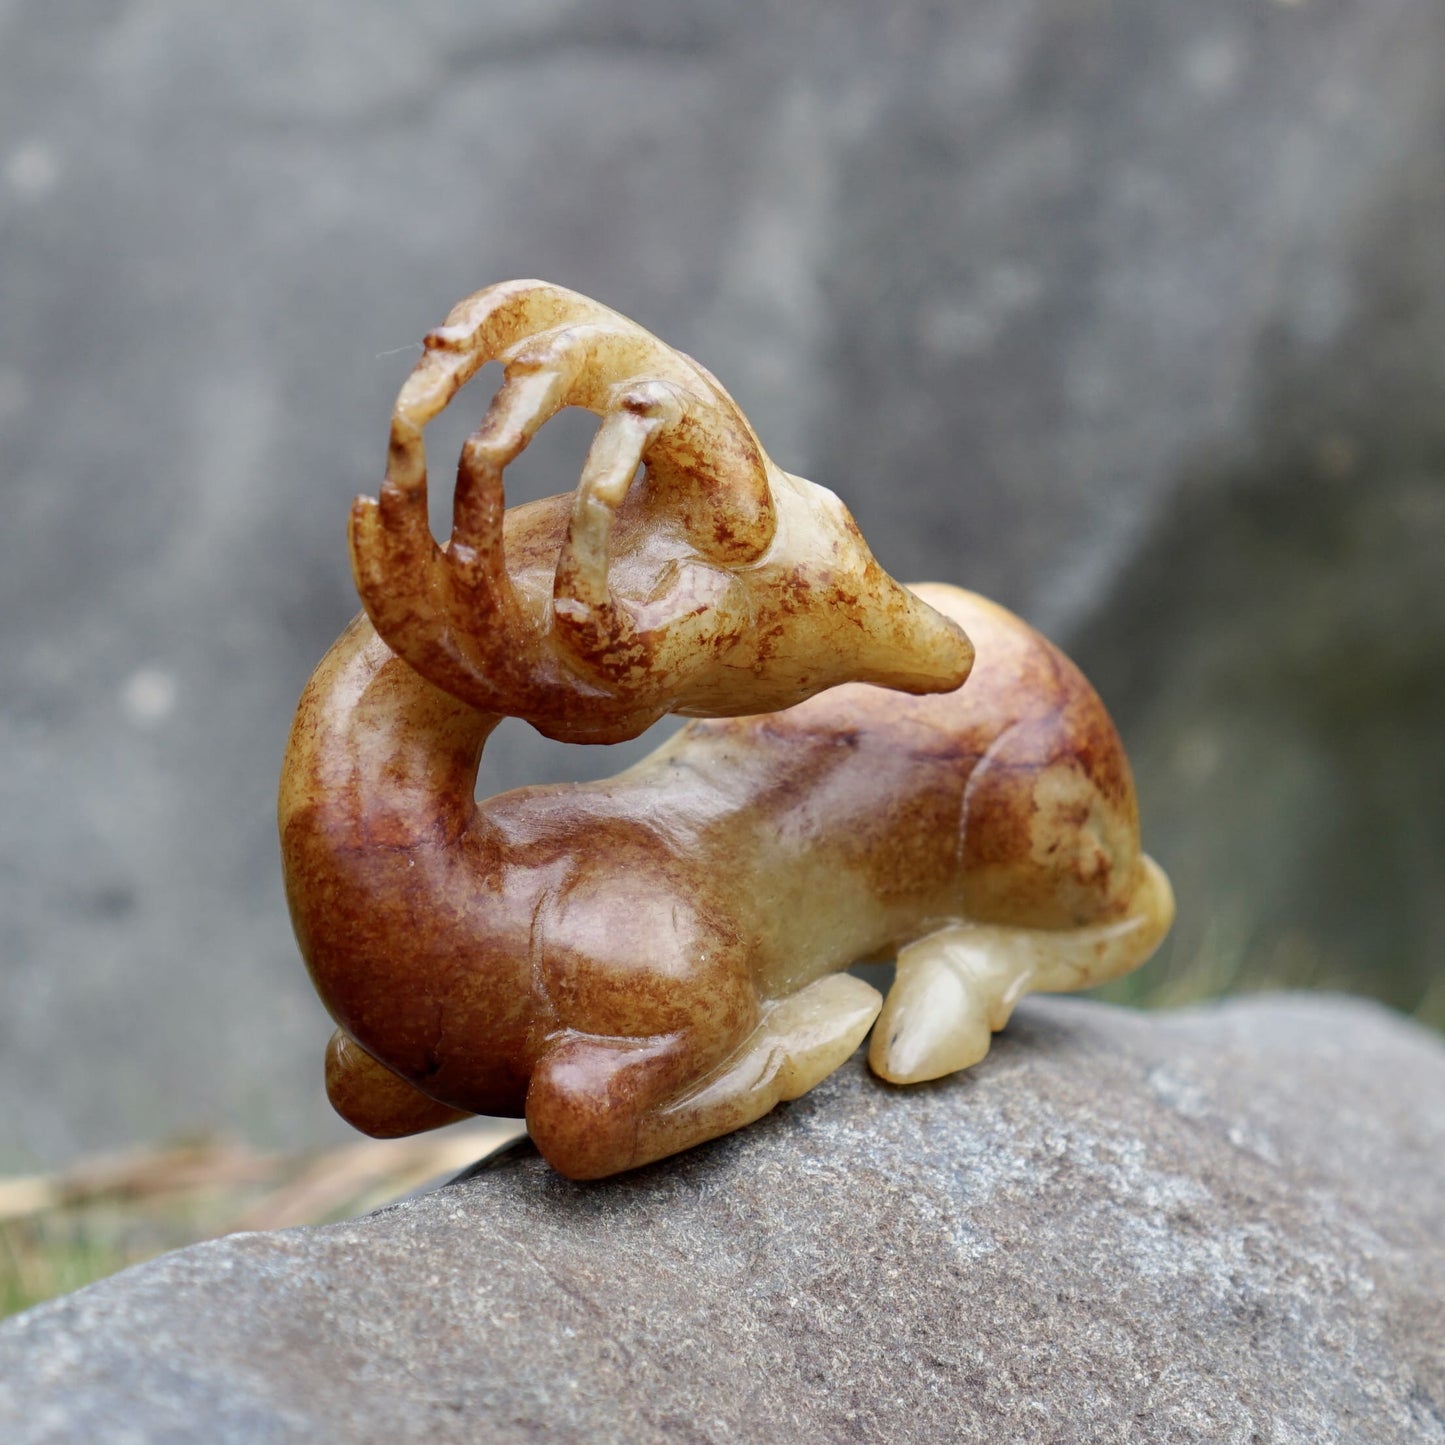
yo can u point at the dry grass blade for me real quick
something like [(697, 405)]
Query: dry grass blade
[(349, 1175), (139, 1175), (59, 1232)]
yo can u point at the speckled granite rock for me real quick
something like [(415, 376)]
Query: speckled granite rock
[(1222, 1226)]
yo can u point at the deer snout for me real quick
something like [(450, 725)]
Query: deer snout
[(884, 632), (908, 645)]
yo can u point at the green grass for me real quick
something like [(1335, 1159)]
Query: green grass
[(54, 1254), (34, 1268)]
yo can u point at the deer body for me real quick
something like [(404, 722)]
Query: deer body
[(645, 962)]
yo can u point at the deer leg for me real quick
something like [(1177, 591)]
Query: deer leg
[(955, 988), (587, 1096), (597, 1106), (376, 1101), (800, 1040)]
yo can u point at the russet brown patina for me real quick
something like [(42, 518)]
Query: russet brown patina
[(646, 962)]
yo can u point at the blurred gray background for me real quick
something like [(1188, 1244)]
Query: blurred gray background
[(1130, 313)]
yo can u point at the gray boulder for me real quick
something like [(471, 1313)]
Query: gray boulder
[(1225, 1226)]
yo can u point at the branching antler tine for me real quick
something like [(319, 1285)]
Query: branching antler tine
[(433, 382), (476, 331), (580, 587), (488, 320), (713, 449), (525, 402), (532, 393), (423, 601), (394, 557)]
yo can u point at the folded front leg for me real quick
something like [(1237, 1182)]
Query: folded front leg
[(597, 1106)]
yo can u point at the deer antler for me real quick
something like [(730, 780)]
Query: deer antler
[(719, 585)]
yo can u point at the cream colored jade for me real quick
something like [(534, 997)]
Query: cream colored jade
[(643, 963)]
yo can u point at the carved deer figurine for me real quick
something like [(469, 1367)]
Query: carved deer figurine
[(650, 961)]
